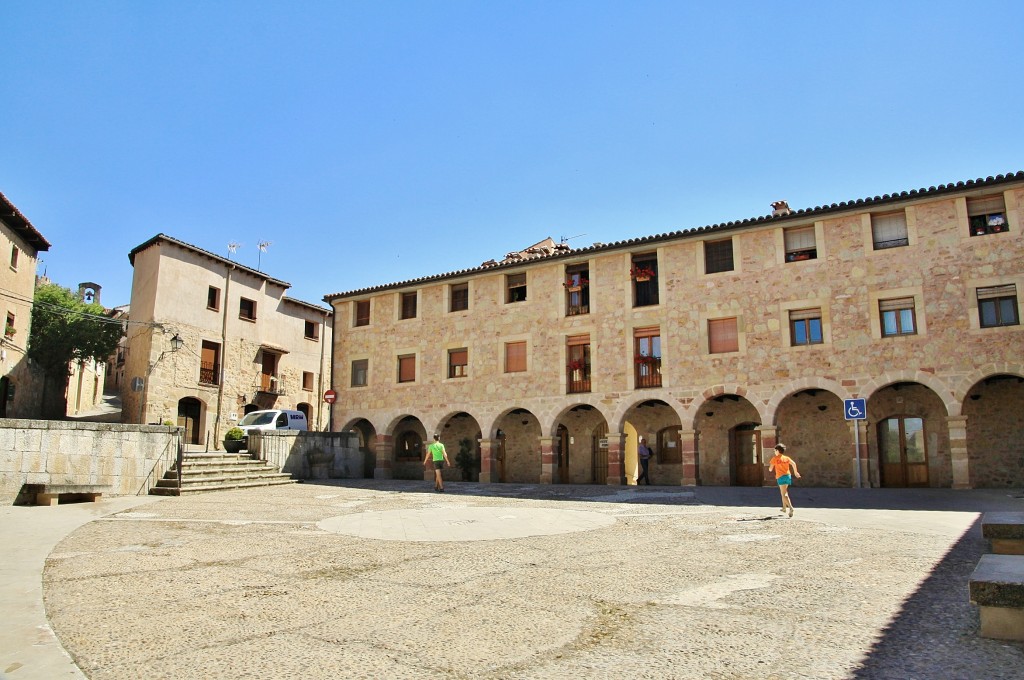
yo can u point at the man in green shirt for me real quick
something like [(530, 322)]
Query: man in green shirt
[(440, 457)]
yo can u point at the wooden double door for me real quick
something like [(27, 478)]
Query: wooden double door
[(903, 459)]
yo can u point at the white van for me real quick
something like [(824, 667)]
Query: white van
[(273, 419)]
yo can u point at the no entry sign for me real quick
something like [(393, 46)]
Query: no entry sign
[(330, 396)]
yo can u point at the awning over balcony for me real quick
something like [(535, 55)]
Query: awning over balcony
[(267, 347)]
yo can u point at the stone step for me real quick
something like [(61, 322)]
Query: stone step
[(175, 491), (220, 479)]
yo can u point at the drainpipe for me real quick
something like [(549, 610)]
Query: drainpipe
[(320, 373), (223, 358)]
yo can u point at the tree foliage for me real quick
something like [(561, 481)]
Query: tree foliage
[(65, 328)]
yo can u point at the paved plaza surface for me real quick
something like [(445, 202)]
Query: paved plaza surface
[(387, 579)]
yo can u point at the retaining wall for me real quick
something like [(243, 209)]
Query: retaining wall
[(310, 455), (127, 458)]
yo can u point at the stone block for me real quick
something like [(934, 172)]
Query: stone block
[(1004, 531)]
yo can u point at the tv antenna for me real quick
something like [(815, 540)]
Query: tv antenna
[(563, 239), (232, 247), (262, 246)]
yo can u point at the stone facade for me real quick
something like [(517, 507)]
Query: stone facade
[(244, 344), (876, 298), (20, 245)]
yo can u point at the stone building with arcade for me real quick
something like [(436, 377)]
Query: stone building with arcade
[(714, 343)]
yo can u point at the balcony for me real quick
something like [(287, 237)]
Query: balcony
[(648, 372), (208, 373), (578, 379), (270, 384)]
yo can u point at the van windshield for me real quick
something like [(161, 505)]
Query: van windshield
[(257, 418)]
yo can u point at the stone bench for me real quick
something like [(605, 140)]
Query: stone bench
[(1004, 531), (997, 587), (51, 494)]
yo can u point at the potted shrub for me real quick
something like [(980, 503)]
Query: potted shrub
[(641, 273), (233, 440)]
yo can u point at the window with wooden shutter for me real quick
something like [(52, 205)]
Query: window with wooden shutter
[(458, 297), (458, 363), (805, 327), (362, 313), (723, 336), (645, 280), (515, 287), (209, 363), (407, 368), (409, 305), (515, 357)]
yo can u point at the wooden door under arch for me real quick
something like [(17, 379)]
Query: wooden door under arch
[(745, 452), (903, 460)]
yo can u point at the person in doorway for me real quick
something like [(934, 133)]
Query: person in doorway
[(437, 452), (644, 453), (785, 470)]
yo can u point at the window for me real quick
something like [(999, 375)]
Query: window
[(213, 298), (986, 215), (458, 299), (718, 256), (889, 230), (897, 316), (577, 290), (407, 368), (578, 364), (362, 312), (800, 244), (515, 357), (647, 357), (359, 367), (997, 306), (209, 363), (723, 336), (9, 328), (312, 331), (644, 273), (515, 287), (805, 327), (14, 256), (458, 363), (307, 381), (247, 309), (408, 305)]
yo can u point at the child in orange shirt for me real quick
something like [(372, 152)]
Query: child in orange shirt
[(781, 464)]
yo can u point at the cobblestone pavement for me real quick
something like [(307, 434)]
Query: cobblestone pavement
[(375, 579)]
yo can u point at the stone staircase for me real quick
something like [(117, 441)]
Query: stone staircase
[(217, 471)]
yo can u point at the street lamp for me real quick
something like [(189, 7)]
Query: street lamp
[(176, 342)]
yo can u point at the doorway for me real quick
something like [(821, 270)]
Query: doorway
[(189, 411), (599, 454), (745, 452), (562, 456), (902, 455)]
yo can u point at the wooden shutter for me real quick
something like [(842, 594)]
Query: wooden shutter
[(407, 368), (799, 239), (985, 206), (991, 292), (515, 357), (723, 336)]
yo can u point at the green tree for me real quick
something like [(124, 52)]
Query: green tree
[(66, 329)]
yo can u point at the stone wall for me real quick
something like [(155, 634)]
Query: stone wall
[(310, 455), (128, 458)]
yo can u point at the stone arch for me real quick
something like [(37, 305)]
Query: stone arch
[(798, 385), (967, 382), (936, 385), (617, 420)]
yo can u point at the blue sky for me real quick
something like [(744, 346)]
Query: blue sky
[(375, 142)]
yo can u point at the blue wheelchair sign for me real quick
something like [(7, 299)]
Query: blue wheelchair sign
[(855, 409)]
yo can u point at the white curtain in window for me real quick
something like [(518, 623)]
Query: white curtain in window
[(889, 227), (799, 239)]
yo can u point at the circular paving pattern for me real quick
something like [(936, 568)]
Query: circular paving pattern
[(464, 523)]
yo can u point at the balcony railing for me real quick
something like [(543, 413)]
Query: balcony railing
[(208, 373), (578, 380), (648, 373), (270, 384), (892, 243)]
